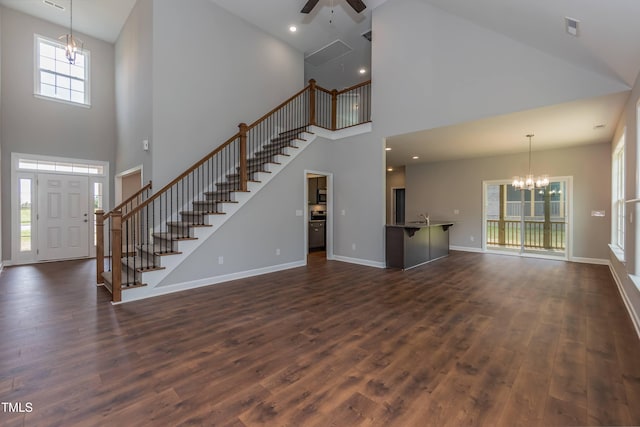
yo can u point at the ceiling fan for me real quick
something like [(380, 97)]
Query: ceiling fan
[(357, 5)]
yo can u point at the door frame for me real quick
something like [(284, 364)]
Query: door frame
[(121, 175), (329, 210), (568, 254), (19, 257)]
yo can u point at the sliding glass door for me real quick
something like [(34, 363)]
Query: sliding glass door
[(534, 222)]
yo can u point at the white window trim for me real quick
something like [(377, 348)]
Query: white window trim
[(18, 257), (617, 248), (36, 74)]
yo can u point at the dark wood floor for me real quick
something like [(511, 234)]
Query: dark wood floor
[(472, 339)]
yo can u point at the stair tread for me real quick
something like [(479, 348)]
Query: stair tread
[(187, 224), (141, 264), (156, 250), (202, 212), (108, 277), (172, 236)]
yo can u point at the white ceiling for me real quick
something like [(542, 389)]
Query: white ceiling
[(556, 126), (102, 19), (609, 44)]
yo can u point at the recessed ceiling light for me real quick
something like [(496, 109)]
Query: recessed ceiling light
[(389, 169), (415, 157), (362, 70), (293, 28), (387, 149)]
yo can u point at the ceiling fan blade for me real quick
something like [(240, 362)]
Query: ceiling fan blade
[(357, 5), (309, 6)]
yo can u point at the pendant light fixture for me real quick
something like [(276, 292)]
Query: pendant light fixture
[(72, 44), (529, 182)]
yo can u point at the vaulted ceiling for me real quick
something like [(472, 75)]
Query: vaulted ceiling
[(608, 45)]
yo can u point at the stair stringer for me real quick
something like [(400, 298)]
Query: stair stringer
[(153, 278)]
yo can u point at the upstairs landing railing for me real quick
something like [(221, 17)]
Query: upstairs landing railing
[(149, 230)]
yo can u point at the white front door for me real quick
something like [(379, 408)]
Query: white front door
[(63, 216)]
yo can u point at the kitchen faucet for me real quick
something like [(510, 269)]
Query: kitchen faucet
[(426, 218)]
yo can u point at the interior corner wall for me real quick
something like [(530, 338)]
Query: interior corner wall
[(211, 72), (629, 124), (39, 126), (425, 192), (133, 83), (434, 69)]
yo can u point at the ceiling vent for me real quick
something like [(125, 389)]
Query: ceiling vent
[(571, 26), (331, 51), (52, 4), (367, 35)]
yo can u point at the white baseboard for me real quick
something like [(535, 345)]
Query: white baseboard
[(590, 260), (178, 287), (625, 298), (359, 261), (466, 249)]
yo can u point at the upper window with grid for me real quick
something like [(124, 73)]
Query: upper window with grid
[(56, 78)]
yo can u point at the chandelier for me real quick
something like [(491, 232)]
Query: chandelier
[(529, 182), (72, 44)]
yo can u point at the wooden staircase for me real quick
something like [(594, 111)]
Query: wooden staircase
[(208, 212), (149, 236)]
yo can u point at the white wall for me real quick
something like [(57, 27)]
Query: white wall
[(629, 125), (439, 188), (37, 126), (211, 71), (134, 83), (433, 69), (249, 239)]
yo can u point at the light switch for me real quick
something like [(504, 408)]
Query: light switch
[(145, 144), (597, 213)]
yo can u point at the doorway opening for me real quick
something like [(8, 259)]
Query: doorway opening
[(398, 205), (53, 203), (128, 183), (533, 222), (319, 221)]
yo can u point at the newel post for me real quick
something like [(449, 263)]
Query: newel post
[(334, 108), (243, 156), (99, 246), (116, 254), (312, 102)]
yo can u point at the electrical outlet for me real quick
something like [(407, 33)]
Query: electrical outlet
[(278, 251), (220, 260), (343, 212), (456, 211), (472, 238)]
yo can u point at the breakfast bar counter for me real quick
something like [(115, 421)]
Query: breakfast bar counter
[(412, 244)]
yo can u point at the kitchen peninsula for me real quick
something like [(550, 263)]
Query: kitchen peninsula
[(414, 243)]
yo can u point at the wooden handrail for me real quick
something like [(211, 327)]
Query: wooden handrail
[(179, 177), (208, 156), (266, 116), (225, 144), (128, 200), (354, 87)]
